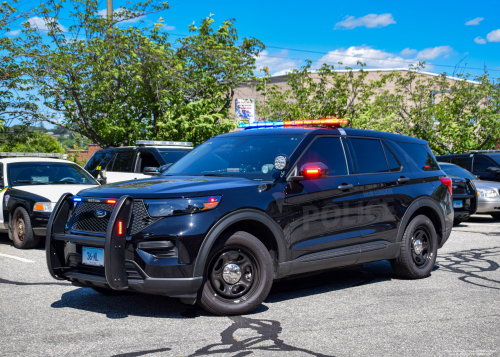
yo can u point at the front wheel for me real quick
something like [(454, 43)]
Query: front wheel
[(238, 275), (418, 249), (22, 232)]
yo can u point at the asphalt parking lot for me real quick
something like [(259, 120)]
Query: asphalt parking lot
[(358, 312)]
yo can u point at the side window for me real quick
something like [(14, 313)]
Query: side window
[(394, 164), (481, 164), (369, 156), (146, 159), (460, 161), (421, 154), (123, 161), (95, 160), (330, 152)]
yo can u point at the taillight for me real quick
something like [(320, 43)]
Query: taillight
[(120, 228), (447, 182)]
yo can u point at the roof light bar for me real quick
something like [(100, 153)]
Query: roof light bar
[(292, 123), (30, 154), (162, 143)]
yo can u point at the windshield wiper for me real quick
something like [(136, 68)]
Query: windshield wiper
[(31, 181), (67, 182)]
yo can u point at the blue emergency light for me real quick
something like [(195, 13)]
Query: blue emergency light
[(292, 123)]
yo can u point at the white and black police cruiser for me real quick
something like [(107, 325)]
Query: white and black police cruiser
[(31, 184)]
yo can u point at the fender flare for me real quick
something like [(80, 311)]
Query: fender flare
[(225, 222), (419, 203)]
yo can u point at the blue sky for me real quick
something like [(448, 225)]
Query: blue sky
[(383, 34)]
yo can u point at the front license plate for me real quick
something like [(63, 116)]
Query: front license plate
[(458, 204), (93, 256)]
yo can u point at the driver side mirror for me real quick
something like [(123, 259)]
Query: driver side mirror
[(150, 170), (311, 171), (492, 169)]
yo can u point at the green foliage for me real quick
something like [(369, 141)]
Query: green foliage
[(115, 85), (32, 141)]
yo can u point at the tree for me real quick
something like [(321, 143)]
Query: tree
[(32, 141), (114, 85), (324, 93)]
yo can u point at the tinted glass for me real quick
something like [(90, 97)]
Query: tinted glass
[(495, 157), (38, 173), (422, 155), (123, 161), (329, 151), (460, 161), (171, 156), (394, 165), (100, 158), (251, 157), (481, 164), (369, 156), (456, 171), (147, 159)]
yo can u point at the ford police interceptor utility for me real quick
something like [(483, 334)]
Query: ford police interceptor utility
[(31, 184), (249, 207), (135, 162)]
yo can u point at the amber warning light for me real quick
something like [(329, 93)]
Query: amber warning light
[(293, 123)]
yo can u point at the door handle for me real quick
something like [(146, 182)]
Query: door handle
[(403, 179), (345, 186)]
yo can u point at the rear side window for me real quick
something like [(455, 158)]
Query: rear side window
[(123, 161), (460, 161), (394, 164), (481, 164), (330, 152), (422, 155), (369, 156)]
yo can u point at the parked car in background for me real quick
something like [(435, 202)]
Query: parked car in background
[(485, 164), (135, 162), (487, 191), (30, 187)]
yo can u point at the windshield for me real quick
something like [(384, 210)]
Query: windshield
[(495, 157), (456, 171), (46, 173), (251, 157), (171, 156)]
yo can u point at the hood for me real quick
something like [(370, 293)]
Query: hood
[(53, 192), (170, 186), (486, 185)]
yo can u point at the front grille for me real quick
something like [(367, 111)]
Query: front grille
[(460, 188), (84, 220)]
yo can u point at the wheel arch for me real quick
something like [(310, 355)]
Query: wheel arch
[(428, 207), (251, 221)]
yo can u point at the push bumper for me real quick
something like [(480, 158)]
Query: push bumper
[(118, 273)]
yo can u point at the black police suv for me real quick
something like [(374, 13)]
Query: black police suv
[(485, 164), (249, 207)]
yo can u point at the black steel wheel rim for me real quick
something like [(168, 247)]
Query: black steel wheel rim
[(421, 247), (249, 274), (19, 226)]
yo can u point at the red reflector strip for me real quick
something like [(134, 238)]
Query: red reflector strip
[(111, 202), (120, 228)]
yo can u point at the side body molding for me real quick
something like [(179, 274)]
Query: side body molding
[(225, 222), (419, 203)]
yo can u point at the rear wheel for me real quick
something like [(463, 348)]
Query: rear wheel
[(418, 249), (496, 216), (22, 232), (238, 275)]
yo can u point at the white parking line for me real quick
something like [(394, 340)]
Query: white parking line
[(13, 257)]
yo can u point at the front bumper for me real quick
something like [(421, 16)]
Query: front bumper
[(63, 253), (488, 205)]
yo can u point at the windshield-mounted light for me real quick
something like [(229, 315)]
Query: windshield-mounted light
[(177, 206)]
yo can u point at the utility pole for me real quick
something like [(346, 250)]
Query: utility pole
[(110, 9)]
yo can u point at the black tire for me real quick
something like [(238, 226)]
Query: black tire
[(108, 292), (22, 232), (496, 216), (409, 264), (255, 269)]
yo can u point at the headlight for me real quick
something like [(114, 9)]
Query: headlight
[(176, 206), (44, 206), (488, 193)]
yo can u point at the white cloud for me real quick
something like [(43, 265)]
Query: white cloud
[(408, 52), (276, 62), (369, 21), (434, 52), (372, 57), (13, 33), (474, 22), (479, 40), (493, 36), (168, 28), (39, 22)]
